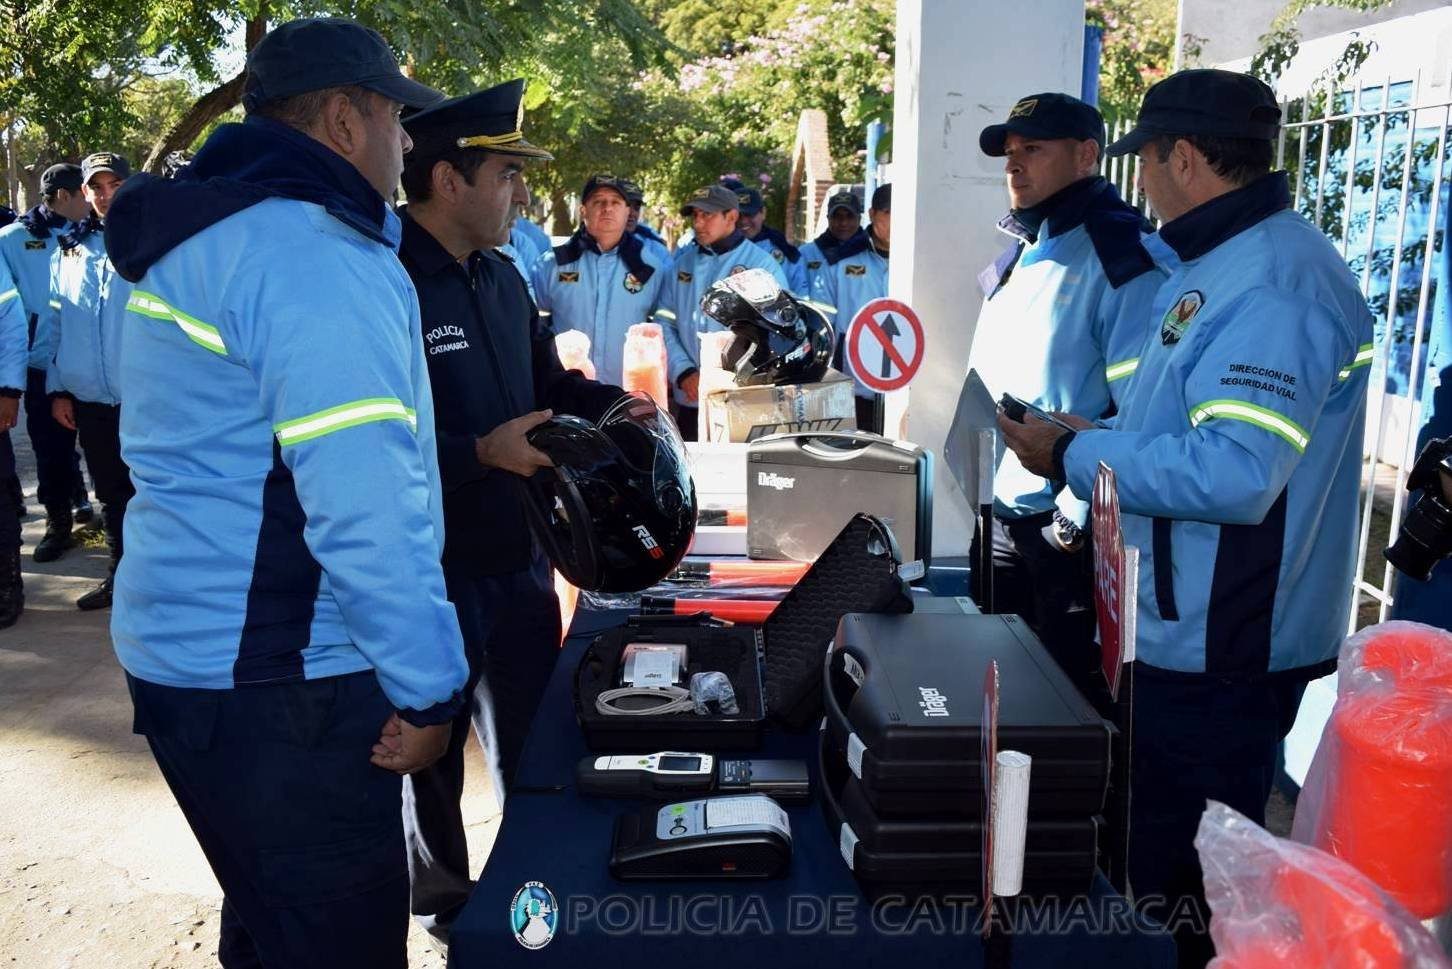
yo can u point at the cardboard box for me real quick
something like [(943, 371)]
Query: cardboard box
[(741, 414)]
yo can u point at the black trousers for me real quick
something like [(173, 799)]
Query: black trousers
[(57, 465), (1196, 737), (9, 521), (302, 832), (511, 629), (687, 419), (99, 426), (1052, 590)]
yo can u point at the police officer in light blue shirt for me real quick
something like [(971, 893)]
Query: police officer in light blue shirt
[(13, 348), (718, 250), (1061, 327), (855, 275), (603, 280), (26, 247), (844, 224), (635, 200), (753, 223), (281, 613), (1237, 449), (89, 300)]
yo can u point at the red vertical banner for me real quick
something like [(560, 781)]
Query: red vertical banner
[(1116, 580)]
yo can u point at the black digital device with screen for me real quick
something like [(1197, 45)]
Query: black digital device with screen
[(669, 774), (718, 837), (1017, 409)]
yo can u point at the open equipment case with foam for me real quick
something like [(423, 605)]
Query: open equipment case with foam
[(775, 670), (913, 760)]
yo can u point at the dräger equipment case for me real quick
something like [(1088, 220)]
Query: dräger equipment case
[(904, 700), (802, 488)]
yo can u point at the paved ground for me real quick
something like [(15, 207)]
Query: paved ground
[(97, 866)]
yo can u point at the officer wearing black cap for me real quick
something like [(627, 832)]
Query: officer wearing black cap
[(26, 247), (604, 279), (753, 223), (844, 224), (1062, 323), (89, 301), (1237, 452), (281, 609), (718, 250), (635, 201), (495, 375)]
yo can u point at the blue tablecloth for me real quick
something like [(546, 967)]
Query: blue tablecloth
[(816, 916)]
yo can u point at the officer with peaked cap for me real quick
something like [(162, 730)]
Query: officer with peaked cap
[(495, 375), (844, 224)]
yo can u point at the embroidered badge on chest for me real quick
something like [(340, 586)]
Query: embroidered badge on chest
[(633, 285), (814, 265), (683, 277), (1177, 320), (35, 244), (856, 270), (569, 277)]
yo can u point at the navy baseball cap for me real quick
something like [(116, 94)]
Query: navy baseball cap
[(634, 194), (748, 201), (322, 52), (1223, 104), (492, 119), (1047, 116), (844, 200), (104, 161), (711, 198), (882, 198), (595, 183), (62, 176)]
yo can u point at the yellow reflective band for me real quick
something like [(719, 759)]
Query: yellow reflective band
[(344, 416), (55, 304), (823, 307), (666, 313), (8, 296), (202, 334), (1363, 358), (489, 141), (1238, 410), (1120, 370)]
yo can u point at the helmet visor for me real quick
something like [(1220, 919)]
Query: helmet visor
[(650, 443)]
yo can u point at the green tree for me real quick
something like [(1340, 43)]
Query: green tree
[(1138, 50)]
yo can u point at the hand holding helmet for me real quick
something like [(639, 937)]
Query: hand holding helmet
[(507, 447), (779, 339)]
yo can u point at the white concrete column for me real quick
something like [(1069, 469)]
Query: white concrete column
[(961, 64)]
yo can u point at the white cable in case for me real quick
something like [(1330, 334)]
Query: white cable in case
[(1010, 820)]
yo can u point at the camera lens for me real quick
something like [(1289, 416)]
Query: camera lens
[(1425, 538)]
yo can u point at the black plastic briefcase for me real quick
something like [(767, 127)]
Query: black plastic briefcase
[(904, 702)]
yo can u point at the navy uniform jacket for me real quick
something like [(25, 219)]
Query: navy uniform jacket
[(490, 360)]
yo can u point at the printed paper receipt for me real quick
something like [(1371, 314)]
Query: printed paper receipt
[(728, 812)]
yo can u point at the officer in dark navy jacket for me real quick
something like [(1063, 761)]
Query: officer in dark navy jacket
[(495, 375)]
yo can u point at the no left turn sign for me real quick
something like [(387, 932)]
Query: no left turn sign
[(885, 345)]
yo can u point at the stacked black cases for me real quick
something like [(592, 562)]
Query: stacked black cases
[(901, 749)]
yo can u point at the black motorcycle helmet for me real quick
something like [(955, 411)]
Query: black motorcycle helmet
[(618, 510), (779, 339)]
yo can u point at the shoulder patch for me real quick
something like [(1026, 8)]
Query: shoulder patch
[(682, 276), (565, 277), (35, 244), (1177, 318), (856, 269)]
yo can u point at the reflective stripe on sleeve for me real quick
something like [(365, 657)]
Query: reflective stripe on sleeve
[(202, 334), (1364, 355), (8, 295), (1120, 370), (55, 304), (666, 313), (1238, 410), (344, 416)]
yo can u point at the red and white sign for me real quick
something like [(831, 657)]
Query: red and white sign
[(885, 345), (1116, 580)]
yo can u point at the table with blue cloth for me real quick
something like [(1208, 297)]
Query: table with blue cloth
[(817, 915)]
